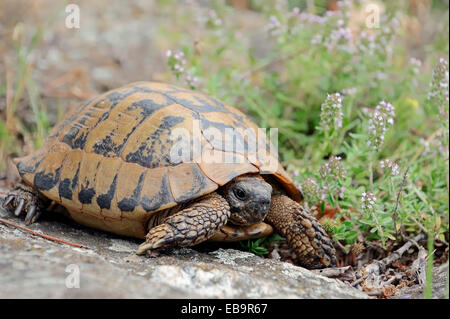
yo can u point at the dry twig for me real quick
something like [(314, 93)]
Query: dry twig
[(59, 240)]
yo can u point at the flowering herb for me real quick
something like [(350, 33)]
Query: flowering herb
[(380, 120), (333, 169), (415, 65), (368, 201), (331, 112), (176, 61), (391, 168), (212, 20), (310, 191), (274, 27), (439, 90)]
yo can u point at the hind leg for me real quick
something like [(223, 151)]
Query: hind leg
[(24, 199)]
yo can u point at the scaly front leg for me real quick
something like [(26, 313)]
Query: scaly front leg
[(302, 232), (189, 227)]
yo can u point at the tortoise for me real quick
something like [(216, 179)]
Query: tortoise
[(110, 164)]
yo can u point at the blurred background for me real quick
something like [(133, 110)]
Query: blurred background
[(229, 45), (47, 66)]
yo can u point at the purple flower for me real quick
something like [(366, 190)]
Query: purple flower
[(332, 170), (310, 190), (390, 167), (274, 27), (368, 201), (379, 42), (380, 120), (331, 112), (340, 39), (176, 61), (415, 65), (439, 89), (212, 19)]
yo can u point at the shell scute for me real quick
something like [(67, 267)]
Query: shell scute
[(187, 182), (151, 142), (107, 184), (109, 137), (47, 177), (68, 187), (88, 176), (156, 193), (130, 177)]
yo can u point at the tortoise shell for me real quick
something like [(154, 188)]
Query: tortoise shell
[(109, 162)]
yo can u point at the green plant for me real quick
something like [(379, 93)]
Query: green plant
[(259, 246), (325, 87), (254, 246)]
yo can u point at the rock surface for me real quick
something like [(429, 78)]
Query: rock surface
[(33, 267)]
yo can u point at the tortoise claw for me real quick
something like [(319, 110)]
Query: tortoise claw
[(36, 216), (7, 201), (143, 248), (160, 236), (19, 207), (31, 213)]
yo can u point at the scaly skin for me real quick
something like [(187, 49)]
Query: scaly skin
[(190, 226), (303, 233), (24, 198)]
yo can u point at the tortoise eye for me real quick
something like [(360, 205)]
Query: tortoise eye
[(240, 194)]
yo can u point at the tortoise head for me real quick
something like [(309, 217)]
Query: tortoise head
[(249, 199)]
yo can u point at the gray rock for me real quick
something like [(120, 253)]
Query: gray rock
[(33, 267)]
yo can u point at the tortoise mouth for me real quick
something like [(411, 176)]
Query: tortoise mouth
[(252, 213), (238, 220)]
